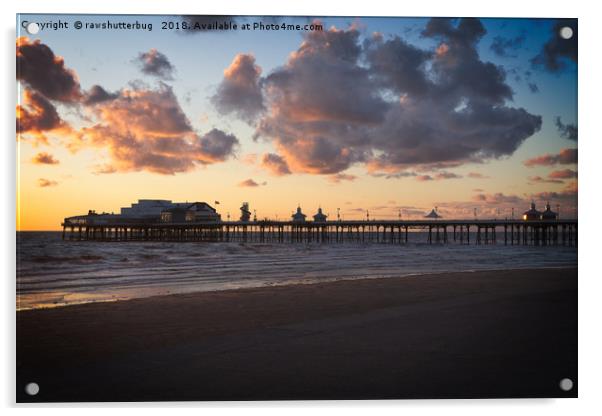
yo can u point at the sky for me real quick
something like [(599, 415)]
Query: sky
[(386, 116)]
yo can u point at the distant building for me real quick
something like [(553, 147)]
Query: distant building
[(298, 216), (146, 208), (177, 214), (548, 214), (433, 214), (532, 214), (245, 213), (320, 217), (190, 212)]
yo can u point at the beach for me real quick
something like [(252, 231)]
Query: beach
[(508, 333)]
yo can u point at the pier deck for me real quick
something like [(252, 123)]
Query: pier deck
[(508, 232)]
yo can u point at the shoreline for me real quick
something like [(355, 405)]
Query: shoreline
[(284, 284), (447, 335)]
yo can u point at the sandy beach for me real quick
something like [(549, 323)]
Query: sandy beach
[(454, 335)]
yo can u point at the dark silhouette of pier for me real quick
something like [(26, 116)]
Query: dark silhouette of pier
[(507, 232)]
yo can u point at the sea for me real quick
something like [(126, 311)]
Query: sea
[(56, 273)]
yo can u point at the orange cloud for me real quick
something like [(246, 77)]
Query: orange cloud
[(146, 129), (564, 157)]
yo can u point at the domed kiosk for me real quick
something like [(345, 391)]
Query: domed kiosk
[(532, 214), (548, 214), (320, 217)]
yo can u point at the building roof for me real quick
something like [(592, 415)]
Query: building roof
[(548, 213), (532, 211), (320, 216), (299, 214), (432, 214)]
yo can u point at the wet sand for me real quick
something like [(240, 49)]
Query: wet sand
[(454, 335)]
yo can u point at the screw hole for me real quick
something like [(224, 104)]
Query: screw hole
[(32, 389), (32, 28), (566, 384), (566, 32)]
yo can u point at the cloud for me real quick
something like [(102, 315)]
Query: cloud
[(156, 64), (424, 178), (557, 53), (250, 158), (146, 129), (497, 198), (98, 94), (502, 46), (568, 196), (44, 158), (563, 174), (45, 183), (275, 164), (533, 87), (342, 177), (567, 131), (36, 116), (40, 69), (539, 179), (339, 101), (447, 175), (240, 90), (250, 183), (477, 175), (564, 157)]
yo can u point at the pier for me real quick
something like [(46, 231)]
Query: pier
[(476, 232)]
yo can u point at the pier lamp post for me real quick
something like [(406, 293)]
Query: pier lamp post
[(475, 213), (512, 212), (338, 214), (228, 216), (557, 211), (367, 216), (255, 215), (399, 215)]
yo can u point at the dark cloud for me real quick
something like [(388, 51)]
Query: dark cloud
[(156, 64), (342, 177), (497, 198), (557, 52), (36, 116), (250, 183), (387, 104), (567, 131), (533, 87), (399, 65), (447, 175), (567, 196), (217, 146), (240, 90), (40, 69), (503, 47), (146, 129), (476, 175), (44, 158), (98, 94), (275, 164), (539, 179), (45, 183), (564, 157)]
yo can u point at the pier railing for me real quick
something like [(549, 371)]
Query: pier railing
[(508, 232)]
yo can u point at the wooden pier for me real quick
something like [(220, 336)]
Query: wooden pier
[(507, 232)]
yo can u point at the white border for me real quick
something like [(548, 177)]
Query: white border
[(590, 287)]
